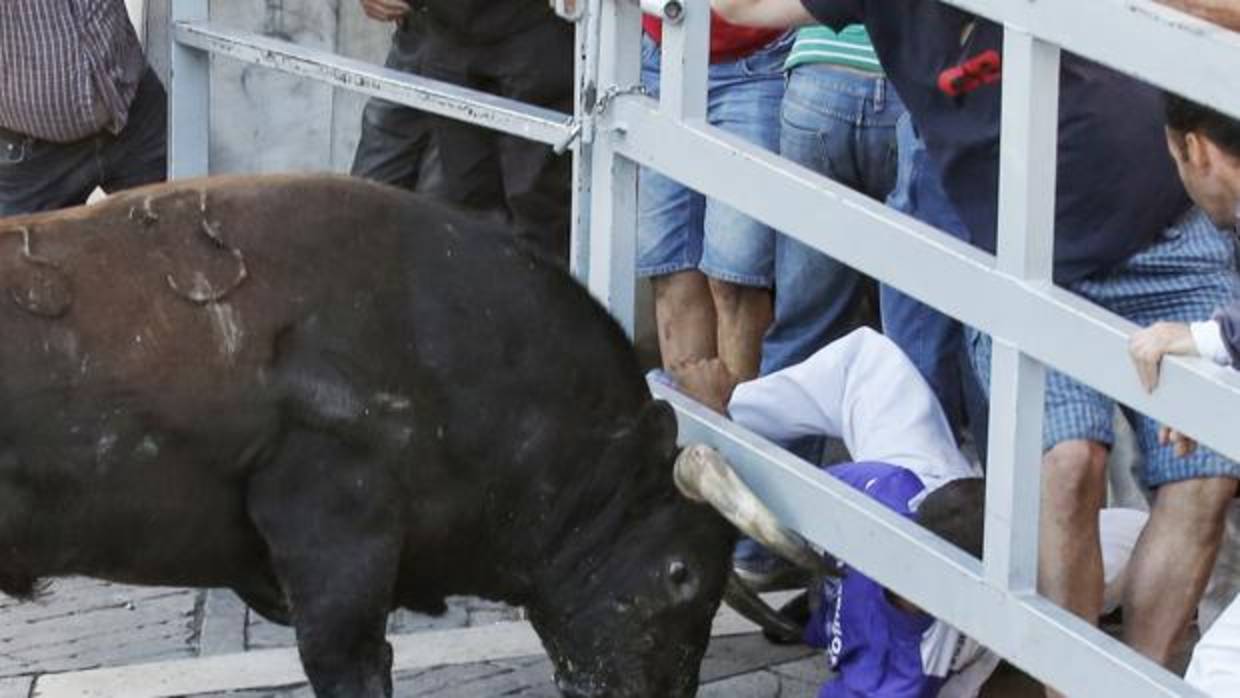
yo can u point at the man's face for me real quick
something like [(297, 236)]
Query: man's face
[(1201, 169)]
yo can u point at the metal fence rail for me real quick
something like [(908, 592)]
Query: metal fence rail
[(1009, 295)]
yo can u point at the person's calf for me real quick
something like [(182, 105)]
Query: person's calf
[(1070, 556), (1172, 563), (685, 315), (744, 314)]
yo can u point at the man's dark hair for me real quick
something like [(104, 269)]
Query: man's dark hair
[(956, 512), (1187, 116)]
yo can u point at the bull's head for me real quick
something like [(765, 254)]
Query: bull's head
[(632, 617)]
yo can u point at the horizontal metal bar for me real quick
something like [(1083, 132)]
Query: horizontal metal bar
[(1144, 38), (1047, 323), (1072, 655), (442, 98)]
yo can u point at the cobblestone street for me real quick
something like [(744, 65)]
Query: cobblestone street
[(85, 624)]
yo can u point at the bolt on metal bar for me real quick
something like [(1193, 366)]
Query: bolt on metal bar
[(684, 66)]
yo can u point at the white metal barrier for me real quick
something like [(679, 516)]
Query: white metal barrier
[(1010, 296)]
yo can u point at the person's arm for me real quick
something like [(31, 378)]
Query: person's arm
[(385, 10), (1148, 346), (1225, 13), (1217, 340), (776, 14)]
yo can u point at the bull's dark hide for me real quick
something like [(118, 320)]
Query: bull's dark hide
[(337, 399)]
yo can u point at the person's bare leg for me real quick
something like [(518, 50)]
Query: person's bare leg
[(685, 315), (1069, 551), (1172, 562), (707, 381), (744, 314)]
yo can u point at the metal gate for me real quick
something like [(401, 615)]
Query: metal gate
[(1010, 296)]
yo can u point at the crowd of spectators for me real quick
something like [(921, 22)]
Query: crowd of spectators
[(1148, 202)]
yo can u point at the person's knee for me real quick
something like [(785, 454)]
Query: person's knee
[(1075, 472), (731, 299), (1196, 509)]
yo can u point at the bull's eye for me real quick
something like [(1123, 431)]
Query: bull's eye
[(678, 572)]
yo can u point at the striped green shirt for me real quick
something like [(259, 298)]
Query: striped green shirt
[(850, 48)]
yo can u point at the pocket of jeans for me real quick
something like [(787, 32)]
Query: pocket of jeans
[(14, 150), (770, 59)]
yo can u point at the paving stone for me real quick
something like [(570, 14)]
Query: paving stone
[(83, 623), (761, 684), (16, 687), (222, 624), (731, 656), (463, 612), (812, 670)]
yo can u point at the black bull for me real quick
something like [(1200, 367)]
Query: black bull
[(338, 399)]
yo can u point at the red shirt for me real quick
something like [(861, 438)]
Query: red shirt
[(728, 42)]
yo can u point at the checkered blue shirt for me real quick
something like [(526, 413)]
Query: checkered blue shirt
[(68, 68)]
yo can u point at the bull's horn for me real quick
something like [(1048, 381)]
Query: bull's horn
[(703, 476), (747, 603)]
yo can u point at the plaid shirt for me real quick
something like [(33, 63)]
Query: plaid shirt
[(68, 68)]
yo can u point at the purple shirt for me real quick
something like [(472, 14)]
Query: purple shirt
[(874, 647)]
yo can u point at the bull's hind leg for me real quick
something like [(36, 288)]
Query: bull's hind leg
[(332, 521)]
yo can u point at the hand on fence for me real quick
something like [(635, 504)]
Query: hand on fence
[(1183, 445), (385, 10), (1147, 348)]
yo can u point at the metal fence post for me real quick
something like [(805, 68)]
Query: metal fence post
[(685, 65), (1026, 245), (585, 97), (613, 201), (189, 94)]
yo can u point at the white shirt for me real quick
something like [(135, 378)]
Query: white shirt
[(864, 390)]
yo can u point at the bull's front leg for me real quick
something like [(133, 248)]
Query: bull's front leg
[(332, 520)]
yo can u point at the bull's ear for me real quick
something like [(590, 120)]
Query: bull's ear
[(657, 426)]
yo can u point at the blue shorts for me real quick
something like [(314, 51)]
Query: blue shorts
[(1183, 277), (679, 229)]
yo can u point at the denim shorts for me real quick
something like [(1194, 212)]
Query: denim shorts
[(679, 229), (1183, 277)]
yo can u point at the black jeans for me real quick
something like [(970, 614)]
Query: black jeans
[(522, 181), (38, 175)]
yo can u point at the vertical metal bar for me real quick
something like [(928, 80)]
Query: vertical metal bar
[(613, 200), (685, 62), (1026, 246), (189, 95), (586, 94)]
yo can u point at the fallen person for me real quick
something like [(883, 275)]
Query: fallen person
[(864, 390)]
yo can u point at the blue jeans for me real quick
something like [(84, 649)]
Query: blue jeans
[(678, 228), (840, 123), (933, 341)]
